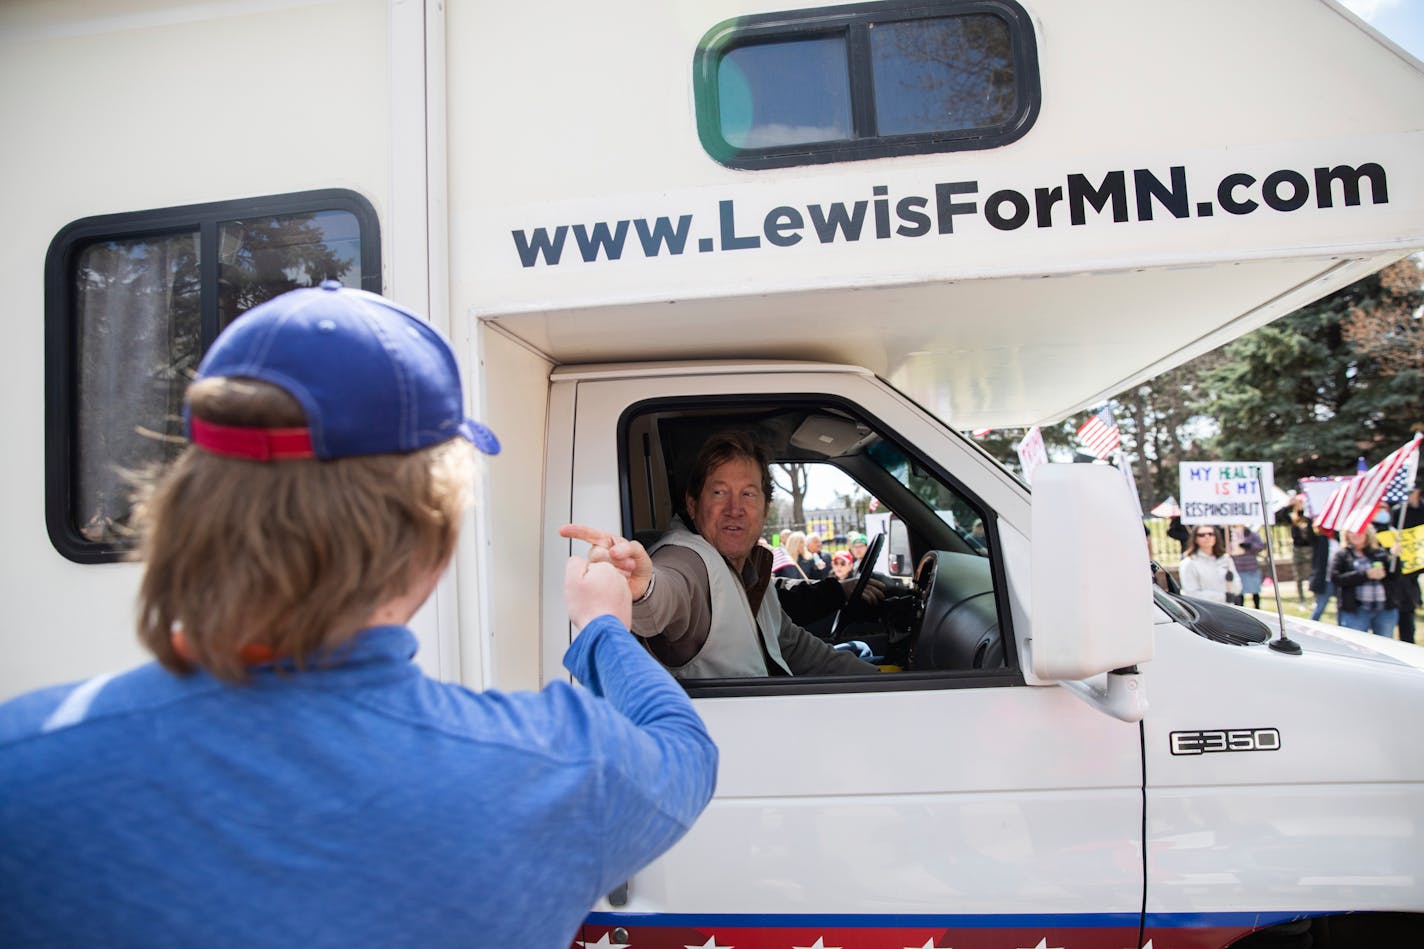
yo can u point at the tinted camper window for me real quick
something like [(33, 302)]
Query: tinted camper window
[(943, 73), (774, 94), (132, 302), (865, 81)]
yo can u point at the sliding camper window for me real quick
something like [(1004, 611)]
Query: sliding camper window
[(837, 471), (865, 81), (132, 302)]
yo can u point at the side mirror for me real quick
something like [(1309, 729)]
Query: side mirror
[(1092, 597)]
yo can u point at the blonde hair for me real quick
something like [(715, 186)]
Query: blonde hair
[(292, 556), (796, 545), (1371, 538)]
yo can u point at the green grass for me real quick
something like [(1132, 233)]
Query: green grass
[(1292, 605)]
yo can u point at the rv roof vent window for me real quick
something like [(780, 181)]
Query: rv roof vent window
[(865, 81)]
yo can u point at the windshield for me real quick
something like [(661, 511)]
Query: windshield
[(1172, 605), (928, 488)]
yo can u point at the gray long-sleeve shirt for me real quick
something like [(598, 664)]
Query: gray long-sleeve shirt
[(676, 618)]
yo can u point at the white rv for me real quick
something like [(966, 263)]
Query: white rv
[(850, 229)]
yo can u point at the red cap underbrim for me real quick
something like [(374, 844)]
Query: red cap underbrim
[(256, 444)]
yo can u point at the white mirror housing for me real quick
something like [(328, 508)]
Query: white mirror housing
[(1092, 596)]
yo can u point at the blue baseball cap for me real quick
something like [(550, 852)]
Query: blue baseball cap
[(372, 377)]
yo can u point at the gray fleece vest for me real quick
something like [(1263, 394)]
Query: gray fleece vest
[(731, 648)]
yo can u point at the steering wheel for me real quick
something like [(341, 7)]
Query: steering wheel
[(866, 562)]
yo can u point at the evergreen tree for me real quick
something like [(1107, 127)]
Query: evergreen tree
[(1333, 381), (1310, 392)]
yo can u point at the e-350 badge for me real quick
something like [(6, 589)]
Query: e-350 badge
[(1225, 739)]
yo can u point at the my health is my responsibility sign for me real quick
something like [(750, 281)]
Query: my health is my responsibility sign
[(1223, 492)]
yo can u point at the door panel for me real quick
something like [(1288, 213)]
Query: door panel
[(965, 812)]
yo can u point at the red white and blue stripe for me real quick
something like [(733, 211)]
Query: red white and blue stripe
[(905, 931), (1353, 504)]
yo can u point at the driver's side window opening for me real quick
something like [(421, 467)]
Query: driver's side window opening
[(838, 474)]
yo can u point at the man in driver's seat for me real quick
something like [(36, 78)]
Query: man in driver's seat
[(703, 599)]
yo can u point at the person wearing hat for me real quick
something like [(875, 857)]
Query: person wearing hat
[(858, 544), (284, 774)]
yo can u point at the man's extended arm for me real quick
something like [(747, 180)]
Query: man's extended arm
[(680, 604)]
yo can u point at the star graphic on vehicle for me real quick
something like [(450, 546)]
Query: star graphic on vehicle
[(604, 942), (820, 943), (1043, 944), (709, 944), (929, 944)]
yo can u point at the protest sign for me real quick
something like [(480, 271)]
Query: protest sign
[(1411, 547), (1032, 453), (1317, 491), (1223, 492)]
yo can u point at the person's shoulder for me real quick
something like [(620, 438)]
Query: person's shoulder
[(25, 715), (95, 699)]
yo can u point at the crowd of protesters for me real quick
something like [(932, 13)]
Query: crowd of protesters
[(1369, 583), (804, 556)]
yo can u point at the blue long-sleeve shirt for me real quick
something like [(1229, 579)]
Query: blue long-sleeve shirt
[(359, 804)]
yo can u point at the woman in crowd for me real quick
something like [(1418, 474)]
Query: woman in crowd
[(1206, 572), (842, 564), (1358, 570), (796, 552)]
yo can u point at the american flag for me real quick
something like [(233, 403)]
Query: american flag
[(1100, 434), (1403, 481), (1352, 505), (1340, 502)]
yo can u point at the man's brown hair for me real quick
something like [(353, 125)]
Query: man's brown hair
[(289, 556), (723, 447)]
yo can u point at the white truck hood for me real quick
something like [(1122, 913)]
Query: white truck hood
[(1339, 641)]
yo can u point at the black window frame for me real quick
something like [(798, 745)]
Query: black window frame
[(1011, 675), (61, 329), (854, 21)]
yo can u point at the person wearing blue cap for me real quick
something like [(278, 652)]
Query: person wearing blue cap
[(284, 774)]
